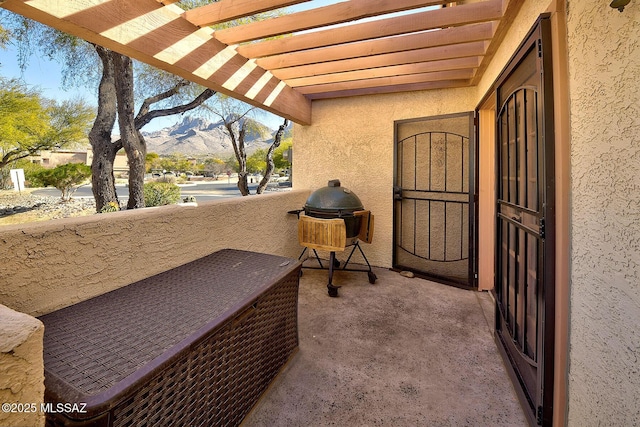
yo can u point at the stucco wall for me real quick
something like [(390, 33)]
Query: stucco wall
[(352, 140), (21, 369), (604, 68), (49, 265)]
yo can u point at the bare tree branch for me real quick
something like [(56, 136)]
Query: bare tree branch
[(144, 118), (146, 104)]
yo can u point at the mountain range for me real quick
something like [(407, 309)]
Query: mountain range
[(196, 136)]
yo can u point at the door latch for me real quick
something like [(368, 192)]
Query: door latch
[(397, 193), (541, 230)]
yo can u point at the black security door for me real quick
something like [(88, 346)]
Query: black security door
[(525, 222), (434, 190)]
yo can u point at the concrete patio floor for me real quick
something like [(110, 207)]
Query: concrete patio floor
[(402, 352)]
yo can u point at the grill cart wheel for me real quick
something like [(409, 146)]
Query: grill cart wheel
[(372, 277), (333, 290)]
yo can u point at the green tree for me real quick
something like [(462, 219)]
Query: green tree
[(152, 161), (256, 162), (278, 154), (31, 123), (66, 178)]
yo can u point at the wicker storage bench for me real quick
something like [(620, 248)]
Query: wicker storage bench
[(193, 346)]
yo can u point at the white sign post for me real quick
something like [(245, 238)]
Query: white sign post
[(17, 177)]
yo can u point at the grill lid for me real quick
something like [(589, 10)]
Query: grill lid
[(333, 198)]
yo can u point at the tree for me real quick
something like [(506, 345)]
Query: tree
[(31, 123), (256, 162), (152, 162), (270, 164), (235, 116), (66, 178), (116, 99), (214, 166), (278, 155)]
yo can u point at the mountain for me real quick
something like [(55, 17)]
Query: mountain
[(197, 136)]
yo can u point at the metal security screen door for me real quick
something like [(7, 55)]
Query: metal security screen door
[(524, 271), (433, 198)]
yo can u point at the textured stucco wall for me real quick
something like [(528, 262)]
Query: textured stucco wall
[(352, 139), (604, 68), (21, 369), (49, 265)]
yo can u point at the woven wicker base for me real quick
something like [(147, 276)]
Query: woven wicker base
[(196, 345)]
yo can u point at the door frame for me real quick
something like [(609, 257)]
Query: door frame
[(473, 201), (540, 37)]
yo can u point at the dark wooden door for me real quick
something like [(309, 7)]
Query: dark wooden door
[(524, 273), (434, 190)]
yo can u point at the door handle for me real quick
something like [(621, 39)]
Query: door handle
[(517, 219)]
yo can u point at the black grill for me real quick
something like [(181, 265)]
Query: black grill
[(334, 201)]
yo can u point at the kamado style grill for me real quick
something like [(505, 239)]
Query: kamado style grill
[(333, 219), (334, 201)]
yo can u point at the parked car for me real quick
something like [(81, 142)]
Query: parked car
[(277, 178)]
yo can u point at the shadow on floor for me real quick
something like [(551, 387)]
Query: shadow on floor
[(402, 352)]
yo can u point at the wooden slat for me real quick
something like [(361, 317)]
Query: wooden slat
[(227, 10), (366, 226), (447, 36), (328, 15), (157, 35), (389, 81), (448, 84), (322, 234), (421, 55), (448, 17), (396, 70), (511, 9)]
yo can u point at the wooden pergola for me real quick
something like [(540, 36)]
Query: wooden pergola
[(445, 45)]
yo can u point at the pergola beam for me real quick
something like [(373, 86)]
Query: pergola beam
[(473, 49), (158, 35), (343, 54), (405, 42), (227, 10), (389, 81), (411, 87), (328, 15), (421, 21), (392, 71), (510, 11)]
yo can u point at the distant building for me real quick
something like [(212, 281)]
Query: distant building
[(53, 158)]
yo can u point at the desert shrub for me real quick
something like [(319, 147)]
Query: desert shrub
[(66, 178), (160, 193)]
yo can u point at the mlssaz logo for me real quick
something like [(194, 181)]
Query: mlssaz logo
[(63, 408)]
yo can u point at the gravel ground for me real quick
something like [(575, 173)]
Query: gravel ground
[(25, 207)]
